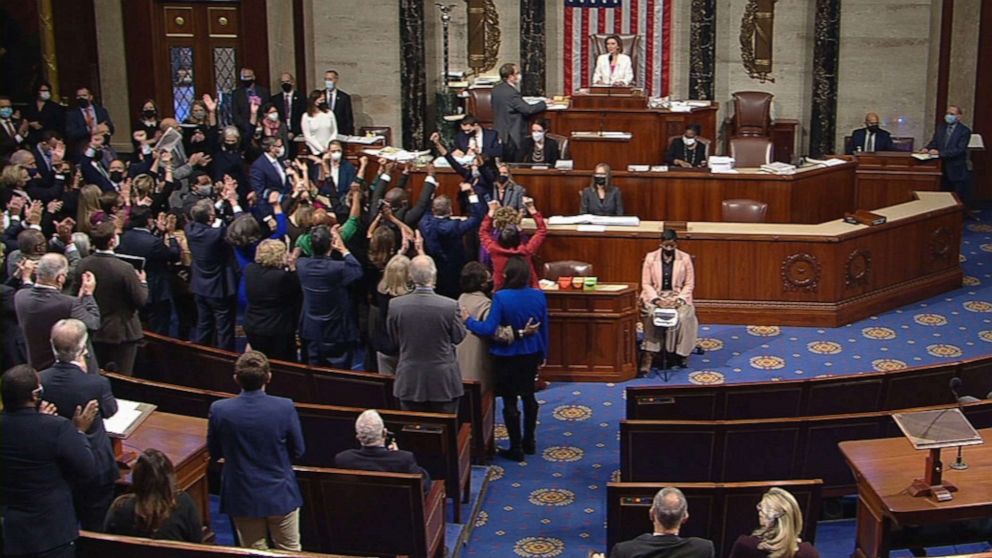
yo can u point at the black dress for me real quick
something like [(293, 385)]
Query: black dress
[(183, 525)]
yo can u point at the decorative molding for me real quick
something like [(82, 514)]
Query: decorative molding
[(413, 73), (483, 35), (533, 53), (826, 52), (702, 49), (801, 272), (858, 268), (757, 32), (941, 241)]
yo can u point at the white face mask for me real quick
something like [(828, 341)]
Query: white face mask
[(45, 95), (329, 85), (273, 116), (335, 156), (689, 142), (538, 136), (280, 152)]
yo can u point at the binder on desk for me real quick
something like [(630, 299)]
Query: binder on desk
[(127, 419)]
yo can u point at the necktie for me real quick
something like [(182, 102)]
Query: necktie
[(334, 99), (289, 107), (90, 120), (9, 127), (870, 142), (947, 137)]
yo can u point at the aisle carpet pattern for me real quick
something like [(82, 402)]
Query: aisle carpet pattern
[(554, 504)]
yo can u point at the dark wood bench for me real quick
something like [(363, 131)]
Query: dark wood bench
[(101, 545), (760, 449), (440, 442), (862, 393), (184, 363), (720, 512), (370, 513)]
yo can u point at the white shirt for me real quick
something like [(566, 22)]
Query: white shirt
[(623, 71), (275, 163), (319, 130)]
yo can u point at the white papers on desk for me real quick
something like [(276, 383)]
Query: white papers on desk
[(779, 168), (127, 413), (395, 154), (659, 168), (603, 134), (680, 106), (485, 81), (443, 163), (638, 168), (564, 164), (360, 140), (924, 156), (591, 228), (699, 104), (831, 162), (601, 220), (720, 163)]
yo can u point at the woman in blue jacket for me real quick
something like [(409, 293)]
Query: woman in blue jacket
[(524, 310)]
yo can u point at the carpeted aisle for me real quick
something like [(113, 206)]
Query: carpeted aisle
[(554, 505)]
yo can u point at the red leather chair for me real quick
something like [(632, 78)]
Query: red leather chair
[(567, 268), (752, 113), (480, 105)]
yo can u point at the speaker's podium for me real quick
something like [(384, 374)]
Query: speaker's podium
[(934, 430)]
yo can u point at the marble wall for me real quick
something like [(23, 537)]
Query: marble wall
[(113, 69), (282, 50), (964, 56)]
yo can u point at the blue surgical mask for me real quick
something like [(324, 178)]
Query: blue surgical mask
[(330, 85), (6, 112), (949, 118)]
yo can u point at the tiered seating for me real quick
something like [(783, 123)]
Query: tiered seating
[(183, 363), (719, 512), (441, 444)]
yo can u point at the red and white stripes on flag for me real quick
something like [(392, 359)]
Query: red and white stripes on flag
[(650, 19)]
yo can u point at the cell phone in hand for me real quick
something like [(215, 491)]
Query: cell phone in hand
[(137, 262)]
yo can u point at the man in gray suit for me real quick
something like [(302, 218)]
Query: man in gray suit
[(426, 326), (510, 112)]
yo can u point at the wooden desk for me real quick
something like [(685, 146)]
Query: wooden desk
[(824, 275), (592, 335), (891, 177), (589, 151), (184, 440), (884, 468)]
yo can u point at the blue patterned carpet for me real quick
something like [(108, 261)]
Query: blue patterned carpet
[(554, 505)]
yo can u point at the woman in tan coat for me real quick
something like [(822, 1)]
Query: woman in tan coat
[(667, 281), (473, 351)]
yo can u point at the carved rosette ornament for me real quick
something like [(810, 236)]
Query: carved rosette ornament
[(801, 272), (858, 268), (940, 243)]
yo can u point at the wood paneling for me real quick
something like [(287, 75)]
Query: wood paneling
[(890, 178), (983, 107)]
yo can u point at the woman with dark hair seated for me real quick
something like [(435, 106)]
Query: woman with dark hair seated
[(602, 197), (538, 148), (687, 151), (516, 363), (155, 508)]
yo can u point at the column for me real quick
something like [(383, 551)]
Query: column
[(702, 49), (413, 73), (826, 50), (533, 54)]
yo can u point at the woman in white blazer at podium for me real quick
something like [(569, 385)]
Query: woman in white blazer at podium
[(614, 67)]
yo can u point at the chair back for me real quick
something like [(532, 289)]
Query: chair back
[(744, 211), (567, 268), (563, 145), (630, 43), (480, 105), (752, 113), (750, 152)]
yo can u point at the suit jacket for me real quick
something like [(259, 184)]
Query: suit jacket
[(51, 116), (612, 204), (663, 546), (69, 386), (883, 140), (258, 435), (41, 456), (683, 277), (342, 112), (12, 343), (10, 143), (443, 242), (297, 106), (327, 313), (427, 327), (273, 300), (38, 308), (158, 256), (212, 271), (346, 175), (95, 173), (605, 75), (378, 458), (552, 151), (241, 108), (76, 130), (678, 150), (264, 178), (490, 142), (953, 153), (510, 112), (119, 294)]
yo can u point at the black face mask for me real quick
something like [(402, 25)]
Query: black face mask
[(287, 87), (230, 146), (323, 105), (668, 250), (246, 83), (116, 176), (600, 180), (503, 179), (873, 128), (83, 102), (149, 114)]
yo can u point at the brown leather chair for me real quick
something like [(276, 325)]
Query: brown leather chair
[(752, 113), (750, 152), (563, 152), (744, 211), (384, 131), (480, 105), (567, 268), (630, 44)]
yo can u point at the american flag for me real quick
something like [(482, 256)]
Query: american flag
[(651, 19)]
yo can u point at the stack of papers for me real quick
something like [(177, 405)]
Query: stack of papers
[(638, 168), (127, 413), (395, 154), (362, 140), (485, 81), (464, 161), (779, 168), (699, 103), (680, 106), (564, 164), (831, 162), (924, 156), (603, 134), (718, 163), (601, 220)]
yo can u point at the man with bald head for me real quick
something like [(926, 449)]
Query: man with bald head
[(67, 385), (871, 138), (290, 103), (669, 511), (950, 143)]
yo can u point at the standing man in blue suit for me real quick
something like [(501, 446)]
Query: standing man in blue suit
[(258, 436), (212, 281), (950, 143)]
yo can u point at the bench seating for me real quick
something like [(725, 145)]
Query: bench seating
[(440, 443), (876, 391), (179, 362), (719, 512), (760, 449)]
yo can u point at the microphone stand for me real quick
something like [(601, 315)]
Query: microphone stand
[(959, 463)]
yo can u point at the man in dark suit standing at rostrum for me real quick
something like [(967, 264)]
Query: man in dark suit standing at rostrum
[(41, 456), (427, 327), (43, 304), (121, 291), (84, 121), (159, 254), (247, 94), (212, 279), (375, 455), (68, 386), (290, 103), (871, 138), (258, 436), (668, 512), (340, 103), (950, 143), (510, 112)]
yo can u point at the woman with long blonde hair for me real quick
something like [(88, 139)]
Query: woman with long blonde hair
[(778, 536), (395, 283), (89, 205)]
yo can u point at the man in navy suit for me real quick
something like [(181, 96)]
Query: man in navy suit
[(290, 103), (159, 254), (243, 98), (871, 138), (268, 173), (212, 281), (443, 239), (478, 139), (91, 163), (340, 104), (258, 436), (375, 455), (84, 121), (950, 143), (13, 131), (68, 386), (41, 456)]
